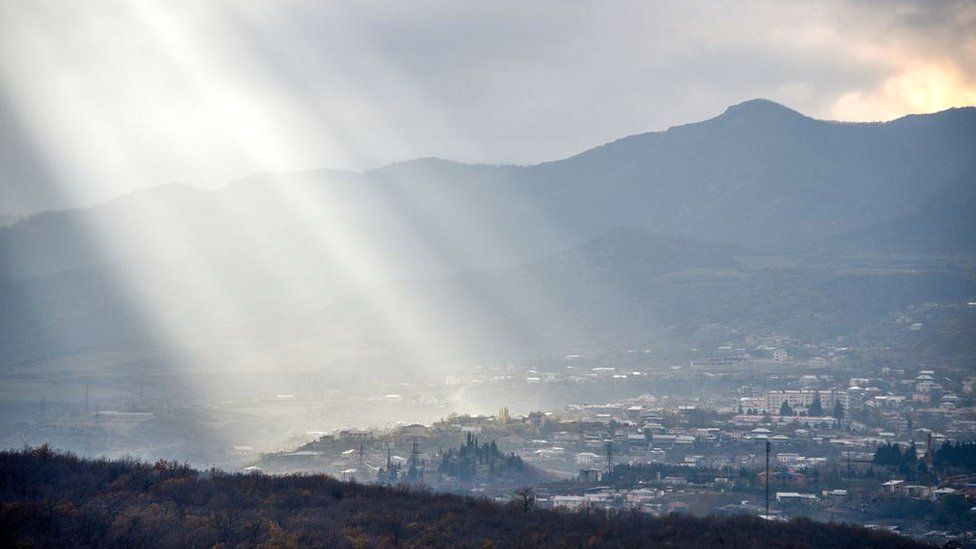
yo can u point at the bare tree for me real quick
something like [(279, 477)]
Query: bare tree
[(527, 496)]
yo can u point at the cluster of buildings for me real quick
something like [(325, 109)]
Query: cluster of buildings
[(831, 420), (655, 501), (821, 420)]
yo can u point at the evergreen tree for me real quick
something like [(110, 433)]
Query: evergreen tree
[(889, 454), (838, 410), (958, 455), (475, 460), (816, 407), (785, 409), (911, 454)]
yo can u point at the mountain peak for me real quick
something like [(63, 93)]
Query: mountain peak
[(761, 107)]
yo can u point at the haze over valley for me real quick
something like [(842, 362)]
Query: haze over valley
[(643, 261), (758, 221)]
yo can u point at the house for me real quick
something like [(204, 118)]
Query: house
[(640, 496), (415, 430), (355, 434), (636, 440), (586, 458), (788, 478), (588, 476), (568, 502), (795, 498), (656, 455), (788, 457), (892, 486), (916, 490)]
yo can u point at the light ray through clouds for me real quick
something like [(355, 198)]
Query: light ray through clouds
[(331, 228), (228, 91), (239, 112), (245, 122), (155, 288), (98, 154)]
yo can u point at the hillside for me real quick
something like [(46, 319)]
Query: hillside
[(759, 175), (282, 259), (56, 500), (943, 222), (630, 288)]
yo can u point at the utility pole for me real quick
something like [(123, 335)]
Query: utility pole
[(768, 448), (414, 471)]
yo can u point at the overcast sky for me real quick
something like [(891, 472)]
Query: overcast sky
[(99, 98)]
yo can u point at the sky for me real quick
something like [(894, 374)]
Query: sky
[(101, 98)]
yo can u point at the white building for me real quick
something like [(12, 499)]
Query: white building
[(803, 398)]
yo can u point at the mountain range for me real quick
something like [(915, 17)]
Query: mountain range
[(758, 219)]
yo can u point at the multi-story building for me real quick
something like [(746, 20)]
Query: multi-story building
[(803, 398)]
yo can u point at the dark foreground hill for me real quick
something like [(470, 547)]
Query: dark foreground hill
[(48, 499)]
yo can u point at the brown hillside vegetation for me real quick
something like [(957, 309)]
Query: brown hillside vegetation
[(52, 499)]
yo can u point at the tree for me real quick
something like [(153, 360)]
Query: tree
[(889, 454), (958, 455), (54, 499), (816, 407), (526, 497), (785, 409), (838, 410), (911, 454)]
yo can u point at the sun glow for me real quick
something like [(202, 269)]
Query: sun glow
[(919, 89)]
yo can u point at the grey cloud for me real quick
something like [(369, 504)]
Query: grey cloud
[(498, 81)]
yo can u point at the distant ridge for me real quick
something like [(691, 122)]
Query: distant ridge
[(759, 178)]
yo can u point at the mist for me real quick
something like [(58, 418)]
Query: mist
[(229, 232)]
